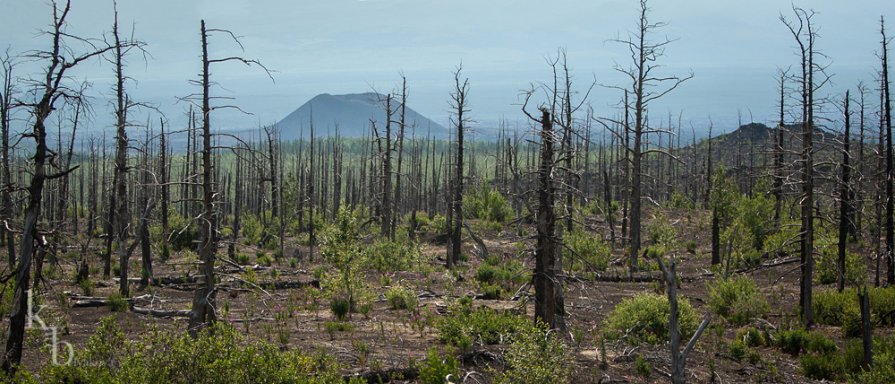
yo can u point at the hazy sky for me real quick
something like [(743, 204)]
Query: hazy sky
[(351, 46)]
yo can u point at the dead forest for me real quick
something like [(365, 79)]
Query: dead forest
[(574, 247)]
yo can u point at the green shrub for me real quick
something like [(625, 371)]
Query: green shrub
[(785, 241), (482, 326), (486, 273), (836, 308), (86, 285), (826, 263), (218, 355), (660, 231), (822, 363), (436, 368), (737, 349), (496, 275), (536, 356), (737, 299), (820, 367), (337, 326), (491, 292), (264, 260), (755, 214), (752, 337), (882, 305), (487, 204), (340, 307), (883, 369), (797, 341), (391, 256), (117, 303), (184, 232), (401, 298), (680, 201), (842, 309), (644, 318), (642, 367), (588, 252)]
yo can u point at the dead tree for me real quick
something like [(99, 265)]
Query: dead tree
[(204, 311), (121, 217), (387, 207), (460, 106), (164, 177), (6, 202), (801, 30), (646, 87), (886, 110), (845, 197), (545, 251), (678, 357), (777, 188), (402, 126), (49, 90)]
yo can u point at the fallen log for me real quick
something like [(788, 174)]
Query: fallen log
[(771, 264), (160, 312), (289, 284)]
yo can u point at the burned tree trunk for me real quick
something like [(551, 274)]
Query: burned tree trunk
[(49, 91), (845, 198), (545, 250), (678, 357), (203, 311), (890, 204), (6, 204), (459, 103), (120, 220)]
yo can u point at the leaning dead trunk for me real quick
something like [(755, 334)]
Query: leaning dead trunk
[(678, 357)]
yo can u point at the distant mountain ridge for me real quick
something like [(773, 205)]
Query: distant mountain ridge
[(352, 114)]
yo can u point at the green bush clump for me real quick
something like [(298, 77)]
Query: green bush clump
[(118, 303), (842, 309), (835, 308), (486, 203), (737, 299), (826, 263), (661, 232), (680, 201), (644, 318), (264, 260), (797, 341), (219, 354), (536, 356), (391, 256), (883, 369), (436, 368), (827, 365), (184, 232), (486, 273), (482, 326), (340, 307), (497, 275), (785, 241), (882, 305), (753, 337), (401, 298), (588, 252)]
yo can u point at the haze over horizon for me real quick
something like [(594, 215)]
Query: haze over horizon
[(356, 46)]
